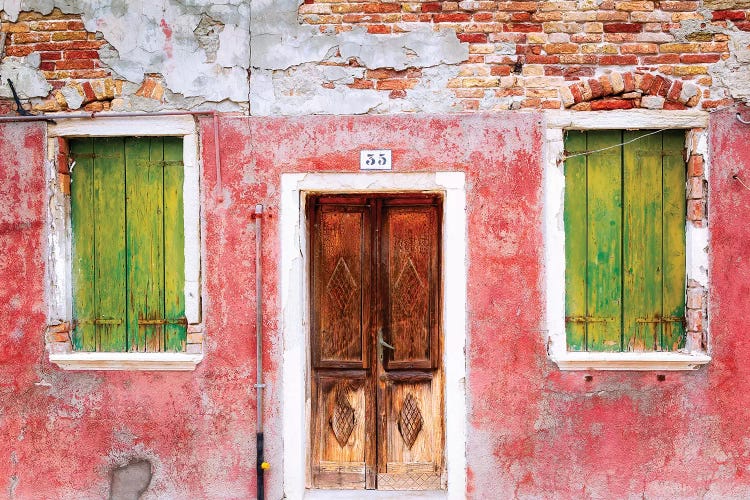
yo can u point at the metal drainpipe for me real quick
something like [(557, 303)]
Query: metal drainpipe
[(129, 114), (262, 465)]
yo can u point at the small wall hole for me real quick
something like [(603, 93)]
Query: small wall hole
[(588, 378), (661, 378)]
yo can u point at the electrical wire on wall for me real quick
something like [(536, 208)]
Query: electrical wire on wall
[(564, 157)]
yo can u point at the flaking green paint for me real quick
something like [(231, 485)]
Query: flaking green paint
[(625, 241), (128, 244)]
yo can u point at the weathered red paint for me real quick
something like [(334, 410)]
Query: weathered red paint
[(534, 432)]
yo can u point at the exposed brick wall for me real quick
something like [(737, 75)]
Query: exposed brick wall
[(69, 62), (529, 51), (69, 58)]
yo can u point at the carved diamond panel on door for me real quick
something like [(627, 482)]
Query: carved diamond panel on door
[(377, 418), (410, 252), (339, 451), (341, 277)]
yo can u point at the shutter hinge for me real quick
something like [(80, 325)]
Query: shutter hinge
[(586, 319)]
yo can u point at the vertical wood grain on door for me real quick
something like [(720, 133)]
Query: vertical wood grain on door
[(341, 280), (376, 382), (411, 448)]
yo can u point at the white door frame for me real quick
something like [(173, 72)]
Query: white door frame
[(295, 400)]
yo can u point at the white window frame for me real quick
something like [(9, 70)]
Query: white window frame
[(554, 238), (60, 287), (295, 317)]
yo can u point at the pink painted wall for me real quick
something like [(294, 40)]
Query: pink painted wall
[(533, 431)]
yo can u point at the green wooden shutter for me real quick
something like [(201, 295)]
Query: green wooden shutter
[(128, 244), (625, 241)]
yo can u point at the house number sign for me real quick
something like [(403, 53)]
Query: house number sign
[(375, 159)]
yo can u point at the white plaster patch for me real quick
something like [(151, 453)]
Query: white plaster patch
[(295, 321), (25, 75), (733, 74)]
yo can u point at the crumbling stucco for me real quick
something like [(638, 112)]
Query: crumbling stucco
[(733, 73), (285, 80), (25, 75)]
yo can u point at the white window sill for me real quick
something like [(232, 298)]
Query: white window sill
[(134, 361), (635, 361)]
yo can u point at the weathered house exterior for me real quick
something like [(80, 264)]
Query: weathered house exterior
[(503, 248)]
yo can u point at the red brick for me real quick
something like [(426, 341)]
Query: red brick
[(378, 29), (361, 83), (483, 17), (675, 90), (609, 104), (69, 35), (699, 58), (30, 37), (456, 17), (75, 64), (81, 54), (47, 66), (729, 15), (561, 48), (75, 25), (431, 7), (524, 28), (501, 70), (518, 6), (473, 37), (662, 59), (396, 84), (381, 8), (88, 91), (678, 6), (575, 72), (19, 50), (540, 59), (695, 210), (520, 17), (628, 60), (646, 82), (397, 94), (596, 88), (695, 165), (88, 74), (622, 28), (576, 90), (49, 25), (744, 26), (639, 48), (50, 56)]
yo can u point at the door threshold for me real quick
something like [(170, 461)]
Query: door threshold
[(375, 494)]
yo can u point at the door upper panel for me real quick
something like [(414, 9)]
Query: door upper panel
[(341, 282), (411, 269)]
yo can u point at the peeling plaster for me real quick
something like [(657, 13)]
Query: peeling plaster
[(25, 75), (158, 37), (285, 54), (734, 73)]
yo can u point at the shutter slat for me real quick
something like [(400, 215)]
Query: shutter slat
[(109, 219), (82, 213), (174, 245), (575, 241), (673, 291), (145, 243), (604, 246), (642, 233)]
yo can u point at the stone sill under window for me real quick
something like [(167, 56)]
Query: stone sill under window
[(631, 361), (132, 361)]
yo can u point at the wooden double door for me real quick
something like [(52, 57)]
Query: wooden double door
[(377, 384)]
